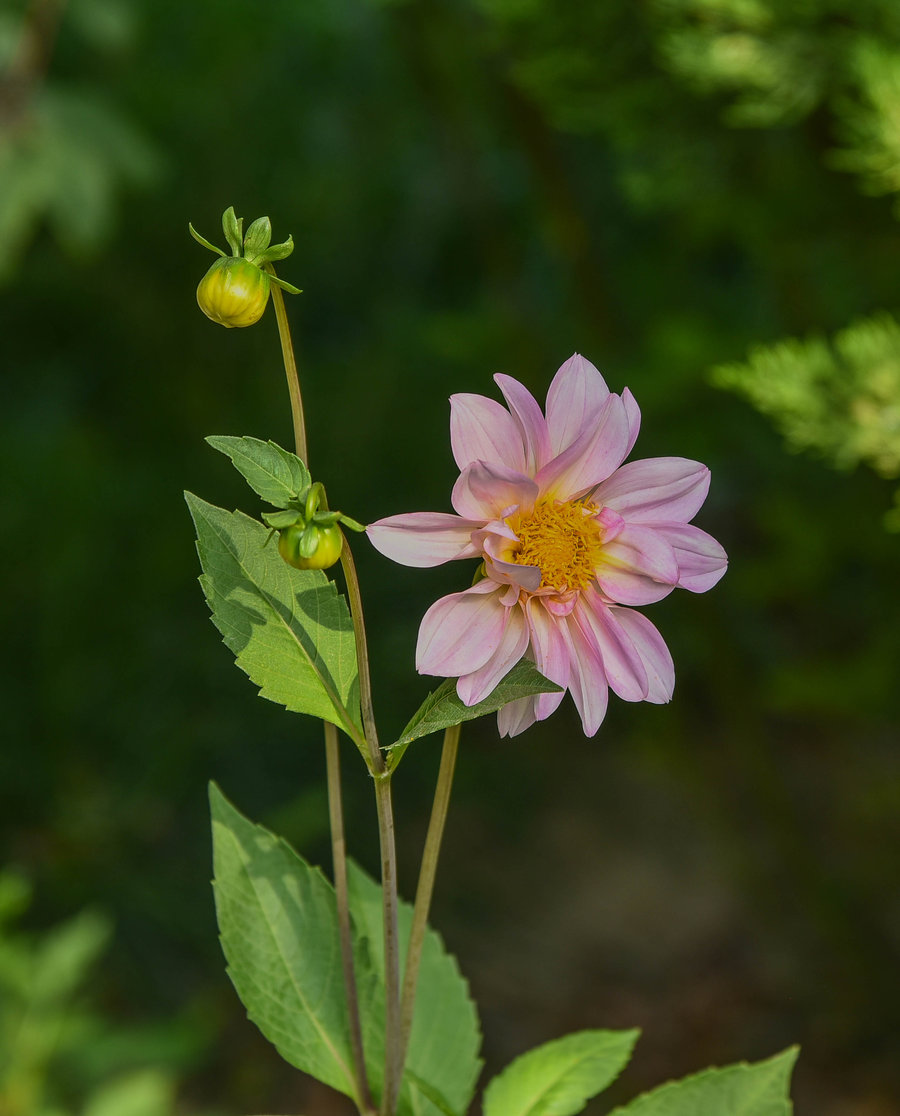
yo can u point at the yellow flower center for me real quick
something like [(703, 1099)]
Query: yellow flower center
[(562, 539)]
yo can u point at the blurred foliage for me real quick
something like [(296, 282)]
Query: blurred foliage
[(841, 399), (64, 150), (472, 186), (57, 1054)]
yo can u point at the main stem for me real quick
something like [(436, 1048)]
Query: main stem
[(393, 1058), (332, 754), (425, 888), (339, 861)]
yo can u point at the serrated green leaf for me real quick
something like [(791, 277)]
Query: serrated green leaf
[(443, 708), (560, 1077), (272, 472), (760, 1089), (289, 629), (279, 932), (442, 1063)]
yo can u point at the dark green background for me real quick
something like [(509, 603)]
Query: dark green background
[(472, 187)]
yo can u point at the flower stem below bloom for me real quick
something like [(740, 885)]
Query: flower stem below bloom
[(425, 888)]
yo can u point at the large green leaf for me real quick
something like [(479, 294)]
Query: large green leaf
[(443, 708), (271, 471), (442, 1063), (761, 1089), (560, 1077), (289, 629), (278, 927)]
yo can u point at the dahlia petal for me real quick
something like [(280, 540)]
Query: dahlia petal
[(510, 595), (656, 490), (551, 654), (652, 649), (587, 679), (626, 588), (516, 716), (460, 632), (484, 491), (482, 429), (424, 538), (701, 560), (558, 605), (638, 567), (547, 704), (622, 663), (476, 686), (595, 453), (633, 412), (611, 522), (574, 399), (511, 573), (531, 420)]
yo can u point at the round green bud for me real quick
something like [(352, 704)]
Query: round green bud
[(310, 547), (233, 292)]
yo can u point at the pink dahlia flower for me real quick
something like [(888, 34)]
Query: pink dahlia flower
[(569, 539)]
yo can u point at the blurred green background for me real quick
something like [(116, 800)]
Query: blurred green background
[(473, 186)]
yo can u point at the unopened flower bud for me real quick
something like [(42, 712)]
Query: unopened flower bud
[(233, 292), (310, 547)]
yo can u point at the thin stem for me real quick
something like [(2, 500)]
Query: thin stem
[(392, 1054), (332, 754), (339, 861), (290, 368), (425, 888), (392, 1057), (374, 757)]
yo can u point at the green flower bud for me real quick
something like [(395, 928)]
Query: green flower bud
[(233, 292), (310, 547)]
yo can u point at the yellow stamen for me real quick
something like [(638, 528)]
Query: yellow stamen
[(563, 540)]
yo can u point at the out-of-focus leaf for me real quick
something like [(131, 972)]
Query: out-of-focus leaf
[(559, 1077), (760, 1089)]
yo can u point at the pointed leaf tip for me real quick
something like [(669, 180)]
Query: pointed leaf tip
[(560, 1077), (754, 1089), (443, 707), (273, 473)]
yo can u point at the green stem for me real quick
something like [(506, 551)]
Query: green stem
[(339, 861), (425, 888), (384, 806), (290, 368), (332, 755)]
